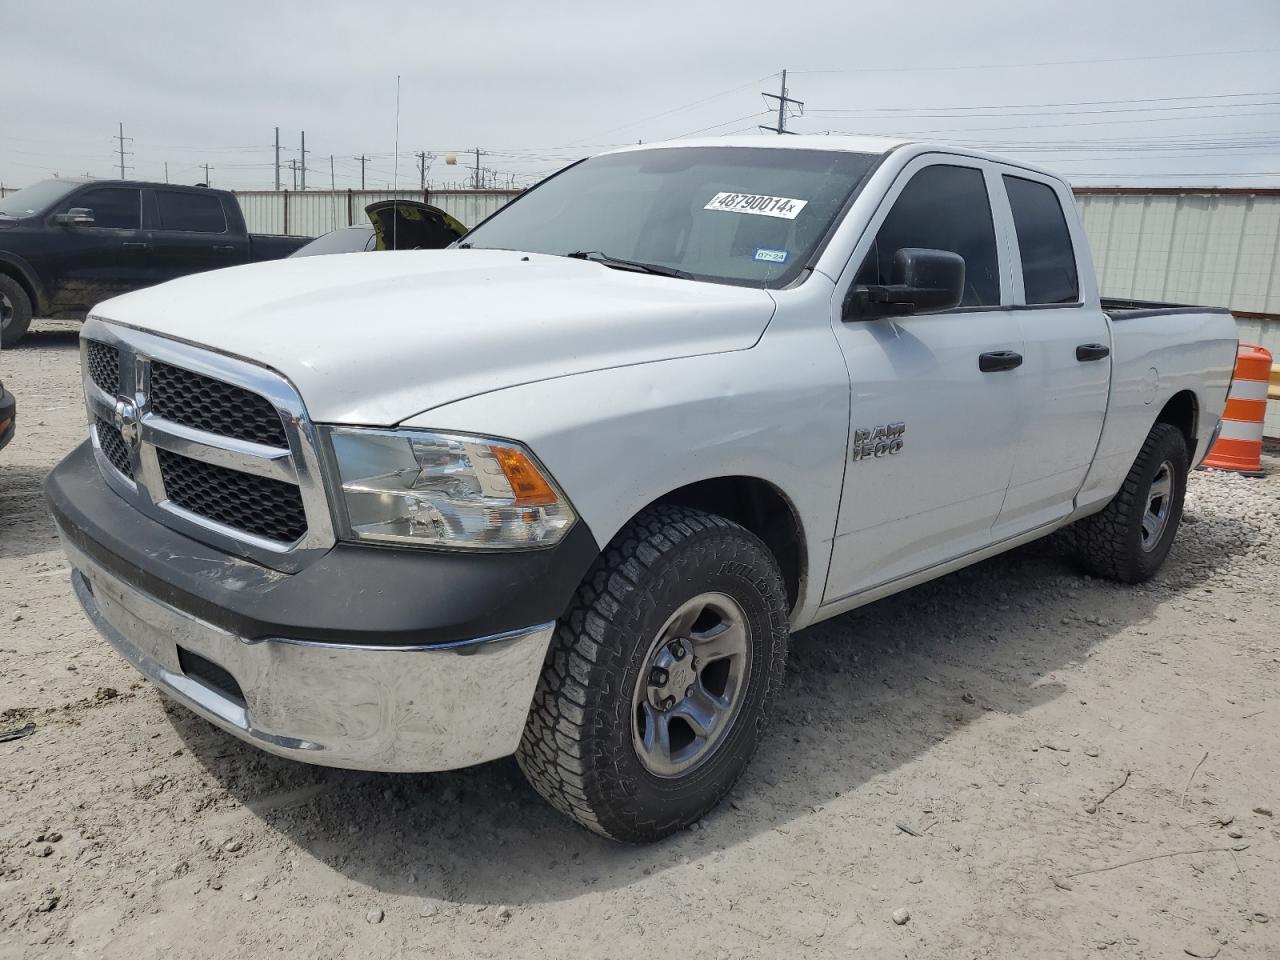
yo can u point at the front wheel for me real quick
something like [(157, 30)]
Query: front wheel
[(659, 678), (1130, 539), (15, 311)]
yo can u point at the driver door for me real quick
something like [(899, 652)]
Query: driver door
[(92, 262), (932, 433)]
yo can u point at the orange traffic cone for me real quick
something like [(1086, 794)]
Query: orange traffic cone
[(1239, 446)]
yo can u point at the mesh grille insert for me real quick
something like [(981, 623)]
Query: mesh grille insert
[(103, 362), (259, 505), (113, 446), (211, 405)]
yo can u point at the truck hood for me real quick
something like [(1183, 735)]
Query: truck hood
[(375, 339)]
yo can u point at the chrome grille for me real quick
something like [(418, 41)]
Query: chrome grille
[(207, 404), (265, 507), (217, 448), (113, 445), (103, 363)]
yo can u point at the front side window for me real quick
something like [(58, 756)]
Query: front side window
[(190, 212), (115, 208), (751, 216), (1048, 260), (942, 208)]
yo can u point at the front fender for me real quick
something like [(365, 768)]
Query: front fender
[(617, 440), (18, 267)]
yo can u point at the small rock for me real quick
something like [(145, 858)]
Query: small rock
[(1259, 917), (1090, 751), (1062, 884), (44, 850), (215, 884), (16, 616), (106, 693), (1263, 811), (47, 905), (374, 916), (1090, 808), (248, 896), (504, 913), (53, 836), (901, 916), (915, 878), (968, 698), (232, 846), (1235, 834)]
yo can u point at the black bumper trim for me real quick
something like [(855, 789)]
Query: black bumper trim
[(354, 594)]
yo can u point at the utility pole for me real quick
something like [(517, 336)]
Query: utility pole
[(333, 188), (277, 159), (293, 168), (363, 160), (166, 171), (783, 100), (206, 174), (476, 181), (122, 138), (303, 161)]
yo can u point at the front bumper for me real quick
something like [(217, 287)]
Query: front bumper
[(356, 661)]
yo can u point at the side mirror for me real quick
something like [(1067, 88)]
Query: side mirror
[(76, 216), (923, 281)]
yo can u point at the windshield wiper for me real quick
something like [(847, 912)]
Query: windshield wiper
[(599, 256)]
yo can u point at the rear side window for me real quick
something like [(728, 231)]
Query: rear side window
[(1048, 259), (192, 212), (942, 208), (114, 208)]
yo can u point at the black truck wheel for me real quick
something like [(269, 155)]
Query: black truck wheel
[(15, 311), (1130, 539), (658, 682)]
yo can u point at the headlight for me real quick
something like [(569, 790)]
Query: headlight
[(443, 490)]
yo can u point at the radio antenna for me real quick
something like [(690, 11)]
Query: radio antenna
[(395, 172)]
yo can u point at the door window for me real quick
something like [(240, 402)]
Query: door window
[(190, 212), (1048, 259), (943, 207), (114, 208)]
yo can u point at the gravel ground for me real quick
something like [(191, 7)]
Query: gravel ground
[(1016, 760)]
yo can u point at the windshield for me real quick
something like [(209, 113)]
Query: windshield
[(36, 198), (343, 240), (743, 215)]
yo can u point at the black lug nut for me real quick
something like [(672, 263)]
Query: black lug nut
[(658, 677)]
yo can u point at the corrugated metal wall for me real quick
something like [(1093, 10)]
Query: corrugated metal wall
[(318, 211), (1219, 247)]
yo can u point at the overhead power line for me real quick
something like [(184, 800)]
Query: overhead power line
[(916, 68)]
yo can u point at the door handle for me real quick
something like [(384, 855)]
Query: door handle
[(136, 245), (998, 360), (1092, 351), (224, 247)]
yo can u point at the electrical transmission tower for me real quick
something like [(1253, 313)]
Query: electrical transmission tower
[(783, 100), (121, 138)]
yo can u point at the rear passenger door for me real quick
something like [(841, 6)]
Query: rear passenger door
[(933, 490), (1067, 356), (193, 234)]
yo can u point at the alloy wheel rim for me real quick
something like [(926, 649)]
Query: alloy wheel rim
[(6, 311), (1155, 518), (691, 685)]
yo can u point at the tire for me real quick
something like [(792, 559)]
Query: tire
[(1113, 543), (15, 311), (595, 737)]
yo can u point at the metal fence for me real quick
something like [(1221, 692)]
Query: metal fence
[(315, 212)]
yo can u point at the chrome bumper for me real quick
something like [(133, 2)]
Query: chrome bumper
[(361, 707)]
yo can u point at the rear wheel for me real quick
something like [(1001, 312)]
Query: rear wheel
[(658, 682), (15, 311), (1130, 539)]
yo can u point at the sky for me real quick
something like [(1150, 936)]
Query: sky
[(1127, 92)]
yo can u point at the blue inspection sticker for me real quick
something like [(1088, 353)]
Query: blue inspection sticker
[(771, 256)]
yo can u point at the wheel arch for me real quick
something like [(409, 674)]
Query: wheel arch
[(1182, 411), (759, 506), (16, 269)]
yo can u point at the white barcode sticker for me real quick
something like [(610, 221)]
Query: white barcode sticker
[(785, 208)]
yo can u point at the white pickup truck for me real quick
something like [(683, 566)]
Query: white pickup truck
[(564, 489)]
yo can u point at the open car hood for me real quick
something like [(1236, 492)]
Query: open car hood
[(412, 225)]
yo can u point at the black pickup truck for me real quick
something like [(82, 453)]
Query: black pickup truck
[(65, 245)]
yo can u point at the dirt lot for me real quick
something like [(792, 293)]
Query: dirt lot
[(1031, 762)]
